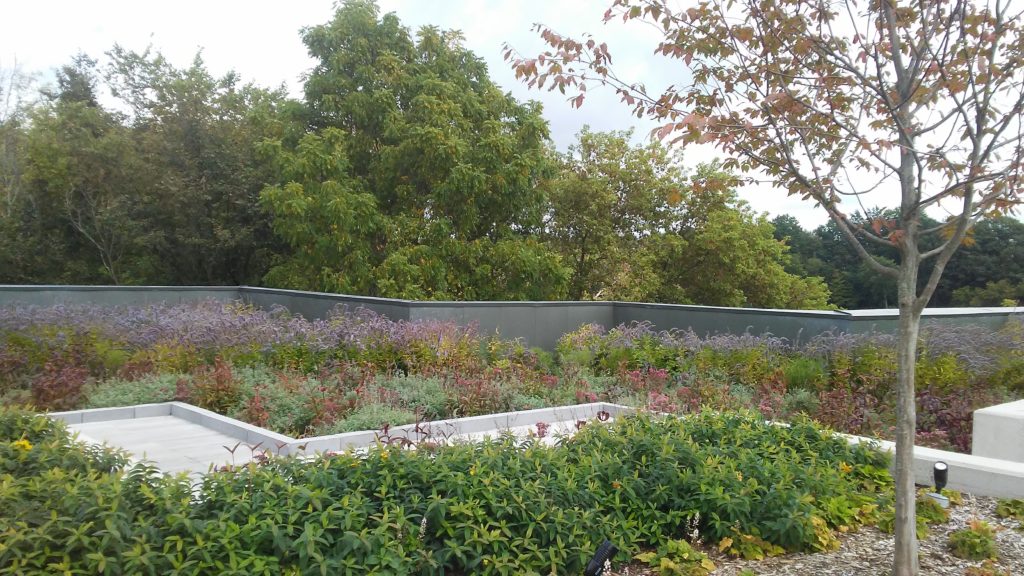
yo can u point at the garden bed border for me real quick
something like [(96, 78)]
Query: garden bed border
[(979, 475)]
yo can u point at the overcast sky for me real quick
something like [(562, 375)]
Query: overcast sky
[(260, 40)]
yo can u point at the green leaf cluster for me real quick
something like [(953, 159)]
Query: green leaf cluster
[(499, 507), (975, 542), (1011, 508), (160, 189), (677, 557), (419, 178), (633, 226)]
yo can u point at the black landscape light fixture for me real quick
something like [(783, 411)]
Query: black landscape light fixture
[(941, 474), (605, 552)]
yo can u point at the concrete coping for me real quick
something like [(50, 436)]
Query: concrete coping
[(978, 475), (244, 431), (284, 445), (1012, 409), (928, 313), (443, 429), (105, 288)]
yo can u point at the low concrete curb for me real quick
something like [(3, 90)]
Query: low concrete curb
[(229, 426), (979, 475), (442, 429), (976, 475), (286, 445)]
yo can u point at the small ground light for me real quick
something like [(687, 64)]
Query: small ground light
[(940, 473), (605, 552)]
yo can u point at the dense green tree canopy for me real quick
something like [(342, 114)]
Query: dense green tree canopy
[(608, 200), (435, 175), (199, 133), (987, 269), (404, 171), (165, 194), (632, 226), (994, 255)]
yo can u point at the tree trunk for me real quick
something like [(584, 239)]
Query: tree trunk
[(906, 563)]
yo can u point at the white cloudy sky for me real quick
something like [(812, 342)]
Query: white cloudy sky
[(260, 40)]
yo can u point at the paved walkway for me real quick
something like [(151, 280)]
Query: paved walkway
[(173, 444)]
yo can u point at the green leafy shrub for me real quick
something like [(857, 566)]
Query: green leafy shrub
[(216, 388), (168, 357), (499, 507), (677, 557), (580, 347), (1010, 375), (369, 417), (943, 372), (275, 400), (148, 389), (422, 395), (748, 546), (929, 512), (800, 402), (476, 395), (1010, 508), (976, 542), (803, 373)]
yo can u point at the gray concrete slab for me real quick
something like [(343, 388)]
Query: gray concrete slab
[(173, 444), (998, 431)]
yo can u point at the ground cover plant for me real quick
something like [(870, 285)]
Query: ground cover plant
[(509, 506), (846, 381), (975, 542), (356, 370)]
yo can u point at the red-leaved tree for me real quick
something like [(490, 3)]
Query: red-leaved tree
[(920, 102)]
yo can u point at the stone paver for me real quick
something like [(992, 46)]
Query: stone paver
[(172, 444)]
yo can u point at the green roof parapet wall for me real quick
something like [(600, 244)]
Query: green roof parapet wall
[(536, 323)]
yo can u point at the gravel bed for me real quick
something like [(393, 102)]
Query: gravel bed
[(869, 551)]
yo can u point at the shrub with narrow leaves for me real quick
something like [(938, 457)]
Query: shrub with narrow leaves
[(504, 506)]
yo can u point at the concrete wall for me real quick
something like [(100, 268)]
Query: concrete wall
[(999, 432), (114, 295), (861, 321), (537, 323), (319, 304), (796, 325)]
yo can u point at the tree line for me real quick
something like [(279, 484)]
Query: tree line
[(404, 172), (988, 269)]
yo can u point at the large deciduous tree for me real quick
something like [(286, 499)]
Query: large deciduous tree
[(83, 177), (197, 134), (633, 226), (14, 109), (162, 190), (920, 101), (607, 201), (447, 170)]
